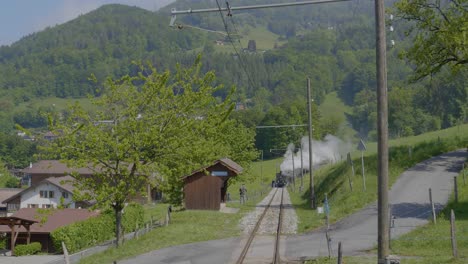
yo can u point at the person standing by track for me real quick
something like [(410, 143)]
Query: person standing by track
[(242, 194)]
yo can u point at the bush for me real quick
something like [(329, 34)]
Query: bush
[(31, 249), (83, 234), (93, 231), (133, 215)]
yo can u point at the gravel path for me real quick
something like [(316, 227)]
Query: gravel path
[(270, 221)]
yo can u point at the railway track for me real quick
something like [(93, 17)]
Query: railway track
[(275, 247)]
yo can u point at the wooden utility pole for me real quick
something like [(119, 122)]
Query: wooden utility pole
[(311, 174), (382, 133)]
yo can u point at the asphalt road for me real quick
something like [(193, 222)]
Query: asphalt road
[(409, 200)]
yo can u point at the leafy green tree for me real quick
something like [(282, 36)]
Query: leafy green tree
[(16, 152), (364, 115), (440, 34), (149, 125), (6, 179)]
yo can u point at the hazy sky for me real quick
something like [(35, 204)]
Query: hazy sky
[(19, 18)]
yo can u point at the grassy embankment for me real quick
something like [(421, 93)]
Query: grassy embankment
[(333, 179)]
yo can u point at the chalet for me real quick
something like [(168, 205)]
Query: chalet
[(6, 193), (39, 231), (44, 169), (36, 172), (205, 189), (52, 192)]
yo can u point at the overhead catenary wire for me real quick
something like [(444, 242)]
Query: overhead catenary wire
[(241, 60)]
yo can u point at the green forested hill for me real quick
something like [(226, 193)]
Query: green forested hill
[(59, 60), (333, 44)]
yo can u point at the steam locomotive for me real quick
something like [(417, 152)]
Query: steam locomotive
[(280, 181)]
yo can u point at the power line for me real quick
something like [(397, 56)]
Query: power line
[(241, 61), (281, 126)]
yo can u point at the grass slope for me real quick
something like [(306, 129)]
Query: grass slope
[(333, 108)]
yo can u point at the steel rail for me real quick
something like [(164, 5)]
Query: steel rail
[(276, 253), (241, 258)]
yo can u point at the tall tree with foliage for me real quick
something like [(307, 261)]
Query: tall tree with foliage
[(440, 28), (149, 125)]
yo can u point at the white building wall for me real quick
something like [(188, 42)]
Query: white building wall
[(33, 196)]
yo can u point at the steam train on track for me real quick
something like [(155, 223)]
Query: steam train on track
[(280, 181)]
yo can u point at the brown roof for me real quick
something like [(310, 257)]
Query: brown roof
[(65, 183), (54, 218), (53, 167), (8, 220), (230, 164), (6, 193)]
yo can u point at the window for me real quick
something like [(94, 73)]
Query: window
[(46, 194), (33, 206), (46, 206), (13, 207), (65, 195)]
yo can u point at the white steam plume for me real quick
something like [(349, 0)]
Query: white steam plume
[(331, 149)]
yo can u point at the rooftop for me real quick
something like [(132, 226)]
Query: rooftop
[(50, 219)]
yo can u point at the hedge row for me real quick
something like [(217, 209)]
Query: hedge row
[(88, 233), (30, 249)]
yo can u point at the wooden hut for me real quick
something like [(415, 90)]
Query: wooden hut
[(206, 188)]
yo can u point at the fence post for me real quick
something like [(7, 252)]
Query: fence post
[(169, 211), (328, 244), (135, 235), (463, 169), (452, 234), (456, 188), (434, 220), (340, 260), (65, 254), (390, 226), (350, 182)]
